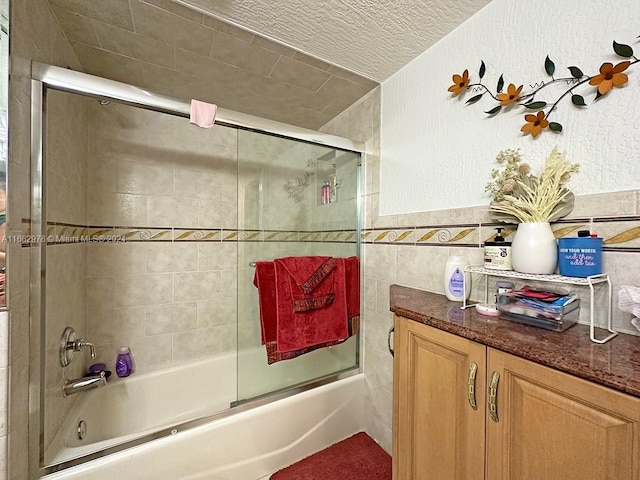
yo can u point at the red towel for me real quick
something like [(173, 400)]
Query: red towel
[(311, 301), (317, 276), (265, 281)]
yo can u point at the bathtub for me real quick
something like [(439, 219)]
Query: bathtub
[(249, 445), (132, 407), (131, 410)]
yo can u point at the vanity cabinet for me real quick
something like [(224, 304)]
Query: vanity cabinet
[(465, 411)]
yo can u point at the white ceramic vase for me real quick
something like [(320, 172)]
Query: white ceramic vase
[(534, 249)]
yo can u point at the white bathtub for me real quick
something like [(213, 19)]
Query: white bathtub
[(132, 407), (245, 446)]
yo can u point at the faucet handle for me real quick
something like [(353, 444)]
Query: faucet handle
[(69, 344), (81, 344)]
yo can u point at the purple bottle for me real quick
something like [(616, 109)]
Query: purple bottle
[(124, 363)]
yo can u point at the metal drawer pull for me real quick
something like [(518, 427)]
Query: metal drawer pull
[(471, 386), (391, 330), (493, 393)]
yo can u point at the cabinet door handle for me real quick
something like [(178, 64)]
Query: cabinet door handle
[(391, 330), (471, 385), (492, 397)]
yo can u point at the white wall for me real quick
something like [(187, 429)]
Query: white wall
[(449, 148)]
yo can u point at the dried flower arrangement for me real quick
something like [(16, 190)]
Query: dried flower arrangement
[(608, 77), (519, 196)]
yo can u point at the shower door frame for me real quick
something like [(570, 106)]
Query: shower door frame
[(56, 78)]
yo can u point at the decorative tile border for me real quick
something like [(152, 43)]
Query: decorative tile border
[(458, 235), (618, 233), (62, 233), (196, 235)]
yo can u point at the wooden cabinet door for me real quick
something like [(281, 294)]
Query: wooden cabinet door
[(554, 426), (437, 435)]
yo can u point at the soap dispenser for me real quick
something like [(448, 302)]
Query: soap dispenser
[(497, 253), (124, 363)]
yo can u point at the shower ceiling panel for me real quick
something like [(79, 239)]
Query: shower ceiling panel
[(248, 55)]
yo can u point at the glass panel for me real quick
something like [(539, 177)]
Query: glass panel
[(282, 213), (143, 250), (153, 194)]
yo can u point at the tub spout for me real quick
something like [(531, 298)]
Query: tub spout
[(85, 383)]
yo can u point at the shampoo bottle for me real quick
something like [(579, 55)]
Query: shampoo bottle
[(325, 193), (124, 363), (457, 282)]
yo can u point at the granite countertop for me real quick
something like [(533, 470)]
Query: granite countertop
[(615, 364)]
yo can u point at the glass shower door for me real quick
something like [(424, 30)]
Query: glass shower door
[(294, 199)]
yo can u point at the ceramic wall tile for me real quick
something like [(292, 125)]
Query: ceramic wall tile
[(217, 256), (235, 51), (161, 25), (117, 11), (171, 318), (171, 257), (195, 344), (171, 211), (197, 285), (124, 42), (227, 28), (151, 353), (218, 311)]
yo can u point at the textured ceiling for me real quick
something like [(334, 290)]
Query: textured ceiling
[(374, 38), (300, 62)]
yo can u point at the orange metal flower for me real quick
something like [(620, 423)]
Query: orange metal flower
[(511, 96), (610, 76), (459, 82), (535, 124)]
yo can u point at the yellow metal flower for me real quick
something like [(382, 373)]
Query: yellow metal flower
[(459, 83), (610, 76), (511, 96), (535, 124)]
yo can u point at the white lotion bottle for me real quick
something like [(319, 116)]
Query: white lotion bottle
[(457, 282)]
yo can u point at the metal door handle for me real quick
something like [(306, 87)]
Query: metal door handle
[(492, 397), (391, 330), (471, 385)]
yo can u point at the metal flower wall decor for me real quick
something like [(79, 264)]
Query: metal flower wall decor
[(609, 76)]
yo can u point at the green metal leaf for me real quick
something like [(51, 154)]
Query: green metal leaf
[(474, 99), (482, 69), (578, 100), (536, 105), (622, 50), (494, 110), (500, 84), (576, 72), (549, 66), (598, 95), (555, 127)]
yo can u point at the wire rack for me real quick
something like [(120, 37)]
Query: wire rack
[(590, 281)]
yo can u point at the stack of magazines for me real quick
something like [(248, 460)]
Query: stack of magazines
[(541, 308)]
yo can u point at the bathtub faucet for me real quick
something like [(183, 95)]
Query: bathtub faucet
[(85, 383)]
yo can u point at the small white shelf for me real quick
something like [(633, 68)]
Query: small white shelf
[(590, 281)]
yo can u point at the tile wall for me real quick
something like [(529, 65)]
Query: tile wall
[(34, 36)]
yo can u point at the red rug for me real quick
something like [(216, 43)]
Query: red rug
[(357, 458)]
